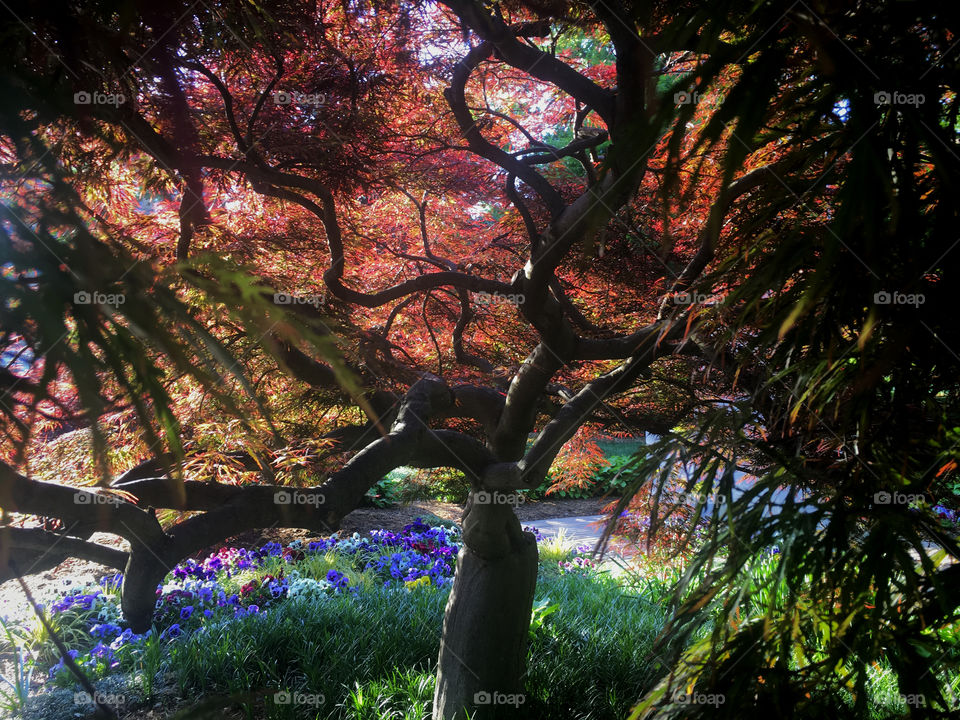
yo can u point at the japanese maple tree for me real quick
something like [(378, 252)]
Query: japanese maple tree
[(256, 244)]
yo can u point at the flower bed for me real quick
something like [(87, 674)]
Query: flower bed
[(236, 582)]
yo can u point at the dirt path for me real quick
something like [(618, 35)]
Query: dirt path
[(366, 519)]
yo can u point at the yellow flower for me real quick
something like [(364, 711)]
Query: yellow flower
[(423, 580)]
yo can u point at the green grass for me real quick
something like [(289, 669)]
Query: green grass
[(554, 549), (591, 658), (15, 690), (401, 696), (324, 647), (372, 656)]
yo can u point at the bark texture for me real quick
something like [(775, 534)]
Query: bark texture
[(485, 629)]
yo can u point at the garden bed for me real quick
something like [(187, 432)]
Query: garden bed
[(74, 571), (350, 624)]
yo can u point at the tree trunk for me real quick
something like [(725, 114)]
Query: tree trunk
[(484, 646)]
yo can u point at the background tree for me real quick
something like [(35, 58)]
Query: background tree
[(517, 219)]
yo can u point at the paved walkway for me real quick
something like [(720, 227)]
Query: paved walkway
[(583, 530)]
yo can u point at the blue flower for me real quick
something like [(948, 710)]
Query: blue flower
[(60, 665), (77, 600), (242, 612), (103, 630), (538, 536), (945, 513), (338, 580), (127, 636), (104, 652), (112, 581), (172, 632), (186, 612), (271, 548), (417, 526)]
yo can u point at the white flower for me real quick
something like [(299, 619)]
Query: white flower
[(308, 589), (349, 545), (108, 612)]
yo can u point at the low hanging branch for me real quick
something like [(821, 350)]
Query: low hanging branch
[(226, 509), (38, 550)]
